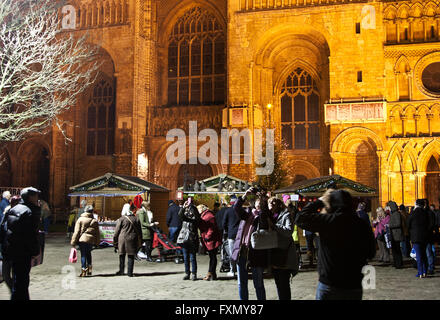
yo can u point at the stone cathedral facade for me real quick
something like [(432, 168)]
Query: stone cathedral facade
[(354, 88)]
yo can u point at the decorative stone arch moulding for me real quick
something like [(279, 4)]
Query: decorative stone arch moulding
[(430, 149), (178, 11), (395, 153), (408, 152), (418, 70), (290, 68), (162, 167), (345, 137), (317, 36), (304, 168), (33, 140), (401, 59)]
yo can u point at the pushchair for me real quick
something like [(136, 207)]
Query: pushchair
[(224, 256), (165, 247)]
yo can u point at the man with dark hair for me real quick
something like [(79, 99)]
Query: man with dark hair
[(346, 243), (20, 240), (174, 223)]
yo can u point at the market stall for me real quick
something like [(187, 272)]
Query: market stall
[(314, 188), (309, 190), (216, 188), (108, 194)]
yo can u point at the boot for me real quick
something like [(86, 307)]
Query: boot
[(194, 277), (214, 276), (130, 266), (83, 272), (186, 277), (121, 265), (208, 277), (310, 257), (89, 270)]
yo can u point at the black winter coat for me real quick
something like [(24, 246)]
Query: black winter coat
[(395, 222), (346, 242), (219, 218), (418, 226), (230, 223), (432, 225), (173, 220), (21, 238), (190, 217)]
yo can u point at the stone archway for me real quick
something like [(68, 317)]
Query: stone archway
[(5, 169), (300, 170), (432, 180), (193, 172), (355, 154), (34, 167)]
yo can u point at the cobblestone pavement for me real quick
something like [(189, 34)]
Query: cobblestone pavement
[(54, 280)]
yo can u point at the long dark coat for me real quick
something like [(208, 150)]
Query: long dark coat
[(128, 235)]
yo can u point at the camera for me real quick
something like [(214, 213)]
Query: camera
[(257, 189)]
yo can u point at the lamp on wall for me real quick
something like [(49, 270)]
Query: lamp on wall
[(269, 108)]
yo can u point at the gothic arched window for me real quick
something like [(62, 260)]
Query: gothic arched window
[(300, 111), (196, 60), (101, 120)]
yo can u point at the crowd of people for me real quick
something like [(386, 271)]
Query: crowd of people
[(260, 233), (403, 233)]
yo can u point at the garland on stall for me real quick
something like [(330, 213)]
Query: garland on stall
[(338, 181), (112, 182)]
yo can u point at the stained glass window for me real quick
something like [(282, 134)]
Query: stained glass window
[(300, 111), (101, 120), (196, 60)]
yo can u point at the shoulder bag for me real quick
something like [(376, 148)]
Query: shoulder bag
[(264, 239)]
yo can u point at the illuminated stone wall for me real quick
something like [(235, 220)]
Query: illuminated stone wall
[(356, 51)]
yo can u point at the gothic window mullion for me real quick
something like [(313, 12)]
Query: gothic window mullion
[(178, 72), (202, 44), (189, 67), (212, 69), (306, 123)]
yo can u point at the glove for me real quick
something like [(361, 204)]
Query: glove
[(116, 250)]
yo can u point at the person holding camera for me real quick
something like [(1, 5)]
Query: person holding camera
[(242, 251), (346, 244), (188, 237), (283, 258)]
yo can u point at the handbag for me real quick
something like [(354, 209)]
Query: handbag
[(73, 257), (264, 239), (185, 234), (388, 237)]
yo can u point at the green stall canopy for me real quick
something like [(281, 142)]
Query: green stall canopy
[(317, 186)]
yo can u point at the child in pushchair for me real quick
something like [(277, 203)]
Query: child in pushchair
[(165, 247)]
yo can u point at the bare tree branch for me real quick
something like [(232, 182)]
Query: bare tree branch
[(43, 70)]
